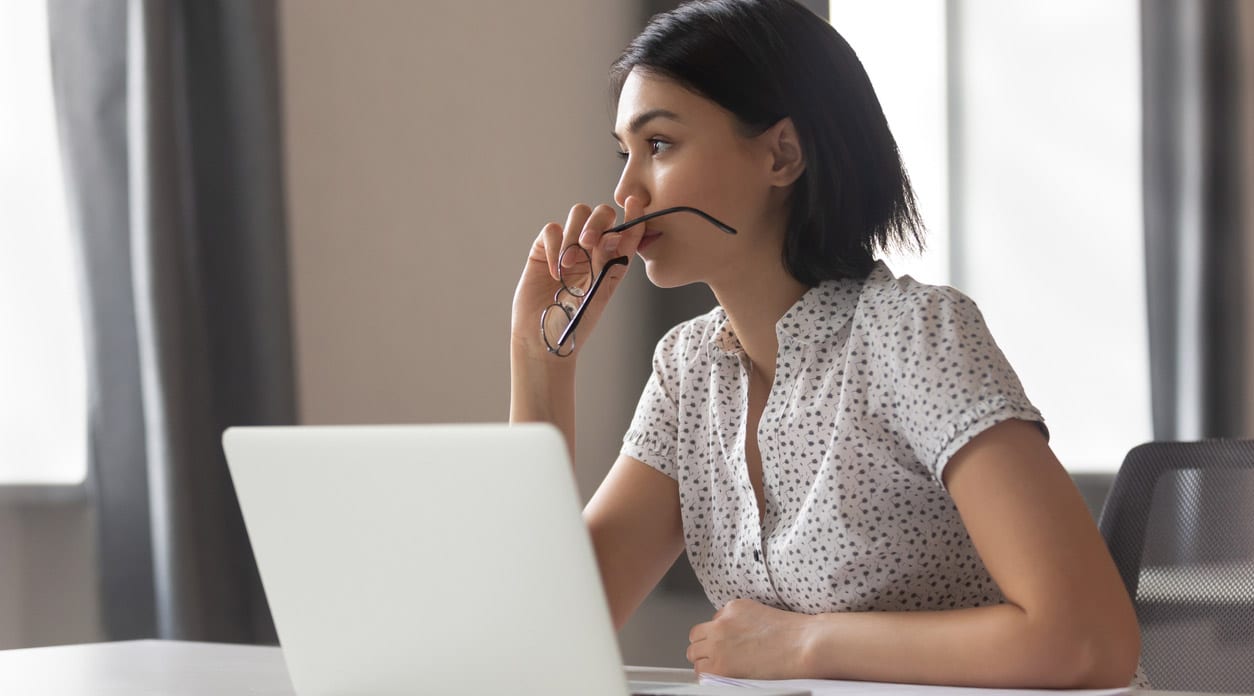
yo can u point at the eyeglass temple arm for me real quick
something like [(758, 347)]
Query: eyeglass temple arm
[(587, 300), (677, 209)]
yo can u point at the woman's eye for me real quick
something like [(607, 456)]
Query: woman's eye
[(656, 147)]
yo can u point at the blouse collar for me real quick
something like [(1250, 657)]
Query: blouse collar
[(817, 317)]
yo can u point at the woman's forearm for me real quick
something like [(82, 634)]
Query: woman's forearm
[(993, 646), (543, 391)]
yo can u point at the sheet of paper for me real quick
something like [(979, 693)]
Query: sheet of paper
[(823, 687)]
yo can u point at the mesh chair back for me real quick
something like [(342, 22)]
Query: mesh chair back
[(1179, 522)]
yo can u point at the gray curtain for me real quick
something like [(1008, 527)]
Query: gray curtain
[(1198, 131), (169, 119), (1198, 82)]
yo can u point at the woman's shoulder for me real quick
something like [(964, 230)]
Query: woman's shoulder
[(901, 300), (913, 322)]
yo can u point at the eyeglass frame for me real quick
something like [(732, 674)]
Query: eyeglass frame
[(596, 283)]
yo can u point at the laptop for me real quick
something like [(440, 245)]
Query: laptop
[(430, 559)]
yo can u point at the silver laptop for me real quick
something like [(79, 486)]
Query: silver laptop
[(448, 559)]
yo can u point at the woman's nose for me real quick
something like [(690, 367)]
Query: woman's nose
[(629, 184)]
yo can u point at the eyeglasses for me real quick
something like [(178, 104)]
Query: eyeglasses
[(560, 319)]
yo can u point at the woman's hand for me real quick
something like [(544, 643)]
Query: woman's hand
[(539, 282), (749, 640)]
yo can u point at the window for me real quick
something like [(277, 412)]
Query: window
[(43, 394), (1019, 122), (911, 86)]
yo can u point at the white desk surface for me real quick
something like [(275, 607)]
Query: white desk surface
[(145, 668), (175, 668), (172, 668)]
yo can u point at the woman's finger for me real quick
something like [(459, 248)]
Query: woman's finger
[(602, 218), (551, 238), (701, 665), (696, 633), (579, 215)]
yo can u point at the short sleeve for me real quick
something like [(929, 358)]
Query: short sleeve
[(653, 434), (951, 380)]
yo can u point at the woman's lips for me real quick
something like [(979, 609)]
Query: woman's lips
[(647, 239)]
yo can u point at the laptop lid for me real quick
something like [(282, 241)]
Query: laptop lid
[(447, 559)]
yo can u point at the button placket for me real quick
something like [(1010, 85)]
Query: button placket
[(768, 449), (768, 432)]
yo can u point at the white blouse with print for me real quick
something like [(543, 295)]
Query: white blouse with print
[(877, 384)]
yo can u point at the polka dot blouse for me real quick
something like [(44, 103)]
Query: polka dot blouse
[(878, 383)]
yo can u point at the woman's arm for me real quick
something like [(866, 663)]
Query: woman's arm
[(542, 390), (542, 385), (1067, 621), (637, 532)]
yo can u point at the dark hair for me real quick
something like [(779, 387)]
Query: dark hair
[(764, 60)]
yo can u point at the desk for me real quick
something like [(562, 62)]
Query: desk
[(145, 668), (173, 668)]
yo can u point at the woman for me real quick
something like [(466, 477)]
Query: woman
[(860, 483)]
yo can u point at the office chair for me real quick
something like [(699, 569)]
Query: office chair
[(1179, 522)]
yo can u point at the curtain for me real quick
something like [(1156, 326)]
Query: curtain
[(1198, 238), (168, 112), (1198, 137)]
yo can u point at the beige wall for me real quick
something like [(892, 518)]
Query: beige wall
[(47, 572), (427, 143), (11, 585)]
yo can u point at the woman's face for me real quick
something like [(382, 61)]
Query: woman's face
[(683, 149)]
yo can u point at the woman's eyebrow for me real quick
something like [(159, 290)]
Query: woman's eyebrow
[(640, 119)]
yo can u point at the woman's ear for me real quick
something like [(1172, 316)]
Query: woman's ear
[(787, 161)]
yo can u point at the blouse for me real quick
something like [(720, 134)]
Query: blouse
[(878, 383)]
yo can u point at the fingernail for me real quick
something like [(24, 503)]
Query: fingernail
[(568, 260), (611, 244)]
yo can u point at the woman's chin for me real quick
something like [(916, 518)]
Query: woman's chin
[(663, 277)]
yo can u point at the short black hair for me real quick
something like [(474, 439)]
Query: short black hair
[(764, 60)]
